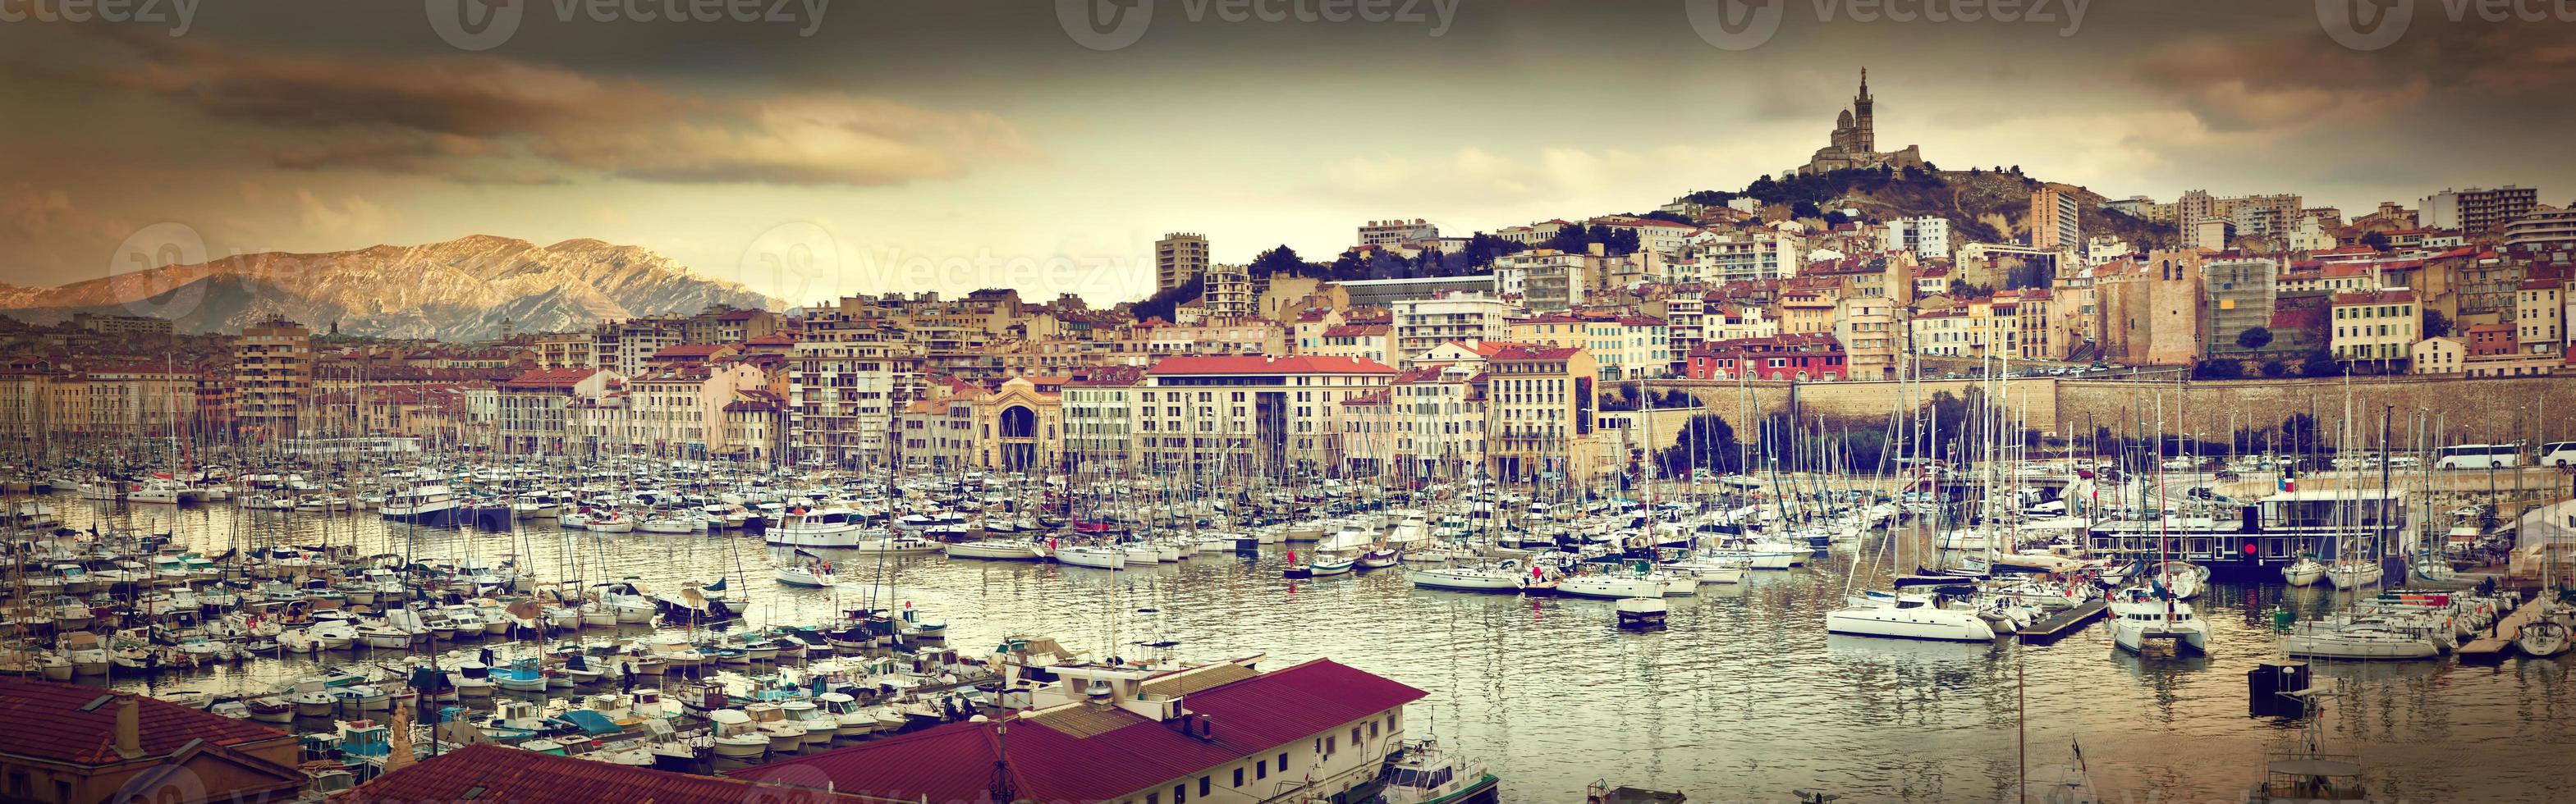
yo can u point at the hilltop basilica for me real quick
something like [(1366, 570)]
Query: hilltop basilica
[(1855, 141)]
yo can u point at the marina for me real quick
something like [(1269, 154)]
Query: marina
[(1688, 686)]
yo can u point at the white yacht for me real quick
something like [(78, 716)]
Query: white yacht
[(999, 550), (2140, 616), (822, 527), (2354, 574), (1099, 556), (1617, 586), (1907, 616), (1503, 577), (423, 505), (2305, 572)]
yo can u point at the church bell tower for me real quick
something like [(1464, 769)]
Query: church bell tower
[(1867, 141)]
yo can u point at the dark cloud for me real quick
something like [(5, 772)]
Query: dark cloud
[(483, 118)]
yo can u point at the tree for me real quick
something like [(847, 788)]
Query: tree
[(1706, 442), (1805, 209), (1281, 260), (2436, 325), (2254, 338), (2217, 369), (1161, 303), (2275, 368), (2376, 240), (2320, 363)]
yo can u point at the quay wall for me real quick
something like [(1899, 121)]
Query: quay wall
[(2480, 409)]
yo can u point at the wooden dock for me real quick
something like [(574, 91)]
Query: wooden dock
[(2495, 646), (2065, 621)]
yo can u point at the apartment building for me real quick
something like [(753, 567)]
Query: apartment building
[(1422, 323), (1248, 413), (2378, 329), (272, 377), (1178, 258)]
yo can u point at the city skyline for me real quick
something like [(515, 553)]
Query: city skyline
[(911, 155)]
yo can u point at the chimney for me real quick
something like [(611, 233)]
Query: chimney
[(129, 727)]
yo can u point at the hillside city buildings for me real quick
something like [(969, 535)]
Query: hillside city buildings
[(1495, 363)]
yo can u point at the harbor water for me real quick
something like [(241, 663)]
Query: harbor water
[(1743, 697)]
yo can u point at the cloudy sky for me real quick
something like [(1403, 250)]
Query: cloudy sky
[(826, 147)]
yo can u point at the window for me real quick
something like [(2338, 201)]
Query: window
[(1153, 798), (1283, 761), (1203, 785), (1180, 793), (1238, 777), (1261, 769)]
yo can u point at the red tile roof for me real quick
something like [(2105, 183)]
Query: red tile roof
[(496, 773), (1355, 330), (957, 762), (2379, 297), (50, 724), (1265, 364), (544, 379)]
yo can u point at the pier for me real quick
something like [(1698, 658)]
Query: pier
[(2064, 621), (2498, 643)]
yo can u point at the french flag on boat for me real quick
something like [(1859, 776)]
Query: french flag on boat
[(2289, 481)]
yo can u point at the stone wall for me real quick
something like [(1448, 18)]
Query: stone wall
[(2533, 409)]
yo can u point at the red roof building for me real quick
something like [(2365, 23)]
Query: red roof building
[(490, 772), (1812, 356), (1265, 364), (67, 742), (1243, 736)]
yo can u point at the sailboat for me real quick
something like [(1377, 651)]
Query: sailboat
[(2156, 612)]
